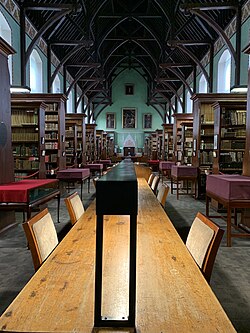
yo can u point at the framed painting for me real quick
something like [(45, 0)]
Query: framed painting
[(110, 120), (129, 118), (147, 120)]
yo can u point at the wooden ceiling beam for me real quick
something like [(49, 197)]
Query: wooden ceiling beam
[(168, 65)]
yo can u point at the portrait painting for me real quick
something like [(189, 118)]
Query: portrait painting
[(129, 118), (110, 120), (147, 120)]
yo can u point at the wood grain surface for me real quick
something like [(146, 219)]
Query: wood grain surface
[(172, 294)]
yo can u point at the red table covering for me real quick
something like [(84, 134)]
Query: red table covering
[(18, 191), (73, 173), (229, 187)]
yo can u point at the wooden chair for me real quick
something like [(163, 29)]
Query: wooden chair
[(41, 236), (75, 207), (162, 194), (150, 179), (155, 184), (203, 242)]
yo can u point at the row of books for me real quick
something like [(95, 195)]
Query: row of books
[(26, 164), (22, 150), (51, 126), (21, 117), (24, 136)]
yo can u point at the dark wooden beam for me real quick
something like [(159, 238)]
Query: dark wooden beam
[(163, 79), (167, 65), (85, 42), (210, 6), (189, 42), (85, 64), (52, 7), (91, 79)]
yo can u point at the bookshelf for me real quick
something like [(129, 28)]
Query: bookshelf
[(54, 146), (100, 144), (203, 132), (91, 151), (167, 142), (229, 136), (7, 218), (159, 143), (179, 120), (28, 137), (6, 159), (75, 138), (246, 162), (187, 143), (70, 144)]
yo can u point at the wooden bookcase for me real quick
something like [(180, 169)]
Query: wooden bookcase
[(179, 120), (7, 218), (159, 143), (229, 136), (91, 151), (28, 137), (203, 128), (203, 132), (54, 142), (167, 142), (246, 162), (187, 143), (70, 144), (75, 138), (152, 145), (100, 144)]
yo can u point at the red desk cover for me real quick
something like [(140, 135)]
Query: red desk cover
[(94, 166), (166, 165), (229, 187), (183, 171), (73, 173), (105, 161), (153, 162), (18, 191)]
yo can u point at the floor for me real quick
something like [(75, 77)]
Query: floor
[(230, 279)]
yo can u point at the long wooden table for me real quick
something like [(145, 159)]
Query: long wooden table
[(172, 295)]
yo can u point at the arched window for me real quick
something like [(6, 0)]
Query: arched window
[(56, 86), (70, 103), (203, 84), (5, 33), (179, 107), (224, 72), (36, 72), (189, 103)]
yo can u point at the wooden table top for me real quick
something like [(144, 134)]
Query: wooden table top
[(172, 295)]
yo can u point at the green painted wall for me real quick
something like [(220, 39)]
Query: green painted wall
[(137, 101)]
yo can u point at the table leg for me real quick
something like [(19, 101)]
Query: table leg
[(229, 241), (177, 189), (98, 271), (207, 206), (58, 207)]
